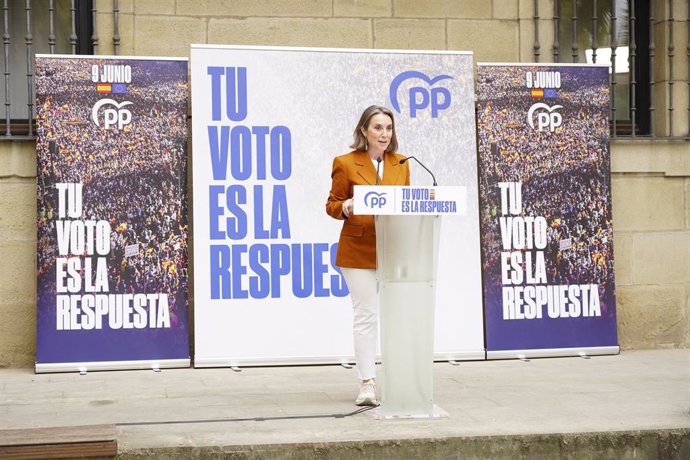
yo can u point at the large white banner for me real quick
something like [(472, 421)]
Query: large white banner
[(267, 123)]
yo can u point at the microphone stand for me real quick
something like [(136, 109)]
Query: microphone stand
[(422, 165)]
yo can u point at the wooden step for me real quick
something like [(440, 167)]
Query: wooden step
[(59, 442)]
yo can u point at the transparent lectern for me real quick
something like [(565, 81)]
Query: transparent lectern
[(408, 228), (407, 253)]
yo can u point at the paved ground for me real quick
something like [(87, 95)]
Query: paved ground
[(198, 408)]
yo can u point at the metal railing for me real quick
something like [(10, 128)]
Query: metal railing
[(43, 32), (644, 74), (635, 111)]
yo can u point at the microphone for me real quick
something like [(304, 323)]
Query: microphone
[(378, 166), (420, 164)]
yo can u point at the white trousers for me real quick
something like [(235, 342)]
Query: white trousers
[(363, 288)]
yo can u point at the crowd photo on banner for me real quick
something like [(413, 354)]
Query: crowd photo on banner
[(545, 193), (112, 270)]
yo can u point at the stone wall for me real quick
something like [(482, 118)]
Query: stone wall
[(491, 28), (651, 179), (651, 214), (17, 253)]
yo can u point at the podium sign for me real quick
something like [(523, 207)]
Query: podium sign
[(409, 200)]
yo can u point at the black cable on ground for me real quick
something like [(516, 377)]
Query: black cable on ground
[(250, 419)]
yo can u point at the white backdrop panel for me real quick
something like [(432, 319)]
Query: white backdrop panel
[(310, 100)]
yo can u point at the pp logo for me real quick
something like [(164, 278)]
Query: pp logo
[(436, 99), (546, 118), (375, 200), (112, 116)]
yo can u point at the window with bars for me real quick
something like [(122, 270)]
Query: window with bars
[(640, 50), (598, 32), (30, 28)]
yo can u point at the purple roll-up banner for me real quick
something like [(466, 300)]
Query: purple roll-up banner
[(112, 275), (545, 210)]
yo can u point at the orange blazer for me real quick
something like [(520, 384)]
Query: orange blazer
[(357, 243)]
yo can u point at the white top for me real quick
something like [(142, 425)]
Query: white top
[(380, 168)]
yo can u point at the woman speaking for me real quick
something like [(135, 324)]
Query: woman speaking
[(372, 162)]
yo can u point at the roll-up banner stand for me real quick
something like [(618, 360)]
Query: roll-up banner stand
[(112, 273), (267, 123), (545, 210)]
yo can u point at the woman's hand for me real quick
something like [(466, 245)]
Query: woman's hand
[(347, 207)]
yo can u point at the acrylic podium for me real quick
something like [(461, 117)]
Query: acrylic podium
[(408, 225)]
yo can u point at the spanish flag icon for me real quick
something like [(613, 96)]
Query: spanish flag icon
[(537, 93)]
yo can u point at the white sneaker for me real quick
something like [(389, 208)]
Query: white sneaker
[(367, 394)]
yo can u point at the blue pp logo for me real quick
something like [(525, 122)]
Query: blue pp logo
[(375, 200), (422, 97)]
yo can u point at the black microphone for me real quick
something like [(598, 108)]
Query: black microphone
[(422, 165), (378, 165)]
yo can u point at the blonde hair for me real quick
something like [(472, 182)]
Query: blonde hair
[(360, 142)]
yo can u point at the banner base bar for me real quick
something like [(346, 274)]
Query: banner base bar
[(552, 352), (345, 361), (270, 361), (84, 367), (471, 355)]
